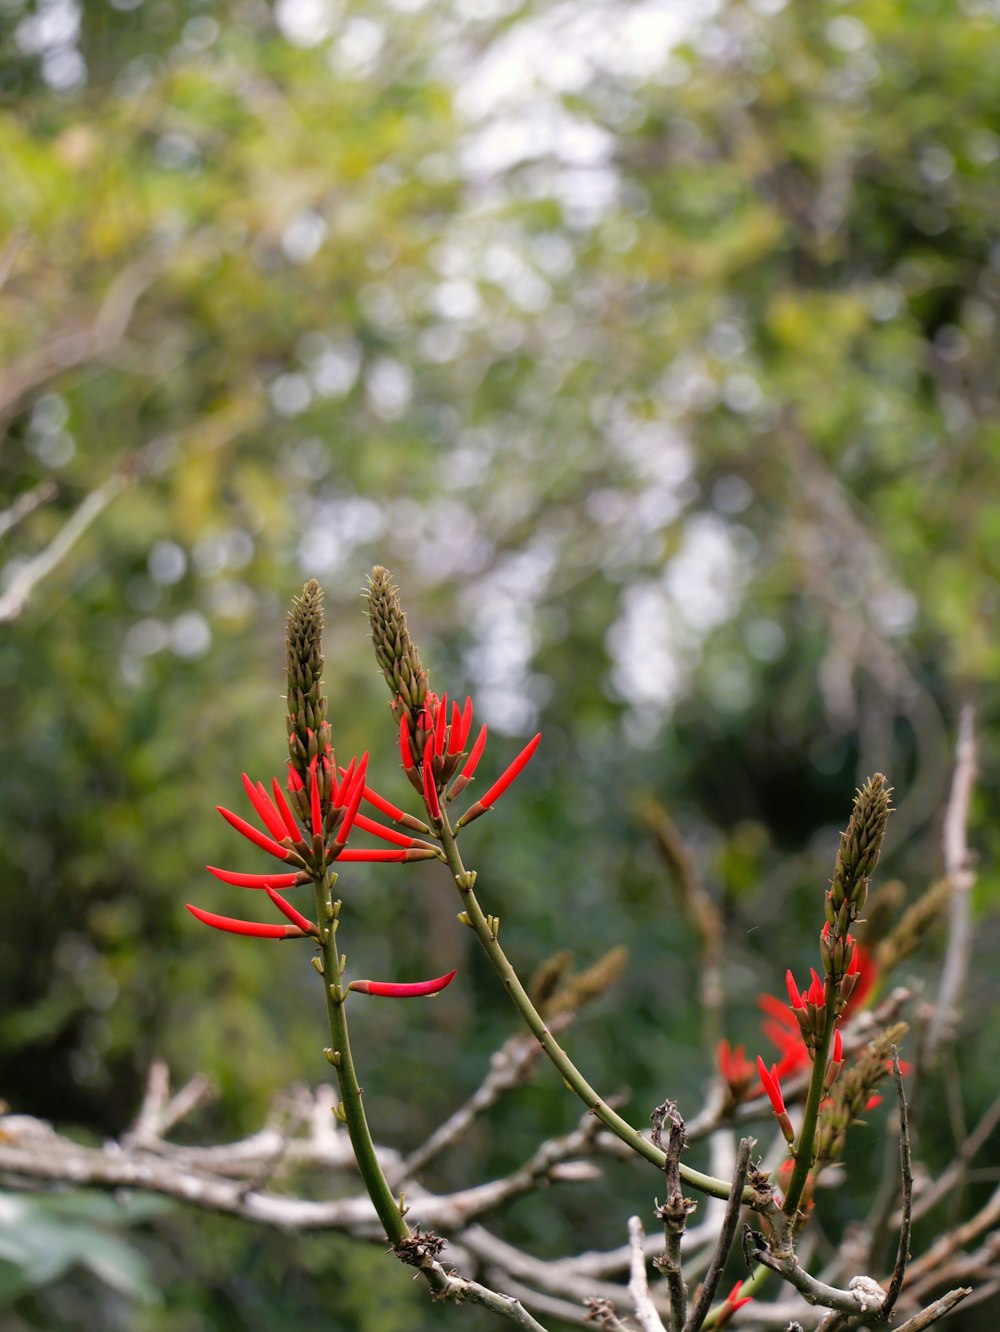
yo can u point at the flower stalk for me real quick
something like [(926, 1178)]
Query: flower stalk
[(351, 1110)]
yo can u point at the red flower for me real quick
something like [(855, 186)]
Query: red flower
[(735, 1069), (730, 1304), (331, 819), (403, 990), (432, 750), (769, 1081)]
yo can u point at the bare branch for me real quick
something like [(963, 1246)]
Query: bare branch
[(863, 1295), (645, 1310), (160, 1111), (906, 1173), (510, 1066), (86, 342), (21, 586), (957, 864), (727, 1234), (674, 1212), (949, 1178), (935, 1311), (27, 503), (10, 253)]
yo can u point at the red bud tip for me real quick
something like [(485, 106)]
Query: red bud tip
[(286, 908), (513, 771), (472, 762), (287, 818), (838, 1048), (253, 835), (262, 804), (257, 880), (396, 990), (794, 998), (251, 927), (295, 782), (404, 744)]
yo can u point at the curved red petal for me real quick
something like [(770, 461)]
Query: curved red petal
[(251, 927)]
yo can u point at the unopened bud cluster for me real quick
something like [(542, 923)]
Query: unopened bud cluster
[(857, 856)]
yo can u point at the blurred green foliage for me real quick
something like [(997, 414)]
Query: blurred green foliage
[(657, 359)]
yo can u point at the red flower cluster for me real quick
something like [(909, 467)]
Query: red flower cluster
[(433, 756), (310, 847)]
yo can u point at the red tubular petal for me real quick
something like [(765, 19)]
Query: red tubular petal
[(472, 762), (253, 835), (257, 880), (380, 803), (380, 854), (252, 927), (314, 805), (353, 801), (264, 808), (345, 785), (838, 1048), (770, 1084), (397, 990), (455, 734), (266, 811), (287, 817), (440, 723), (726, 1058), (794, 998), (405, 752), (286, 908), (430, 788), (509, 774), (295, 782), (387, 834), (466, 722)]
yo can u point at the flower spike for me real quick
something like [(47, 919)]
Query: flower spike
[(253, 835), (397, 990), (251, 927)]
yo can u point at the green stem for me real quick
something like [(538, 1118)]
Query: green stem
[(814, 1097), (574, 1079), (385, 1203)]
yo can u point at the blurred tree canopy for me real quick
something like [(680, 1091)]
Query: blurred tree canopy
[(653, 349)]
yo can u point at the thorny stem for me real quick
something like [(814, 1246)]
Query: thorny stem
[(803, 1149), (621, 1128), (390, 1213)]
